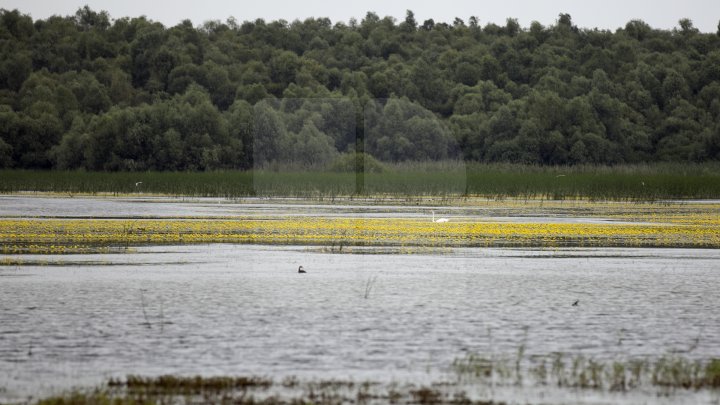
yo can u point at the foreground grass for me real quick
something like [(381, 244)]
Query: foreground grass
[(640, 182), (558, 372), (566, 371), (256, 390), (633, 225)]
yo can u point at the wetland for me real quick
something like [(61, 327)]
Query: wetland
[(93, 299)]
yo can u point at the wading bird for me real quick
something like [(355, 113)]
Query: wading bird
[(439, 220), (301, 270)]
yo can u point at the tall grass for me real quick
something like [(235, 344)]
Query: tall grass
[(218, 184), (649, 378), (442, 179), (594, 185), (577, 371)]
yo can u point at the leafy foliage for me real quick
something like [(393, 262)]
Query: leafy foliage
[(88, 92)]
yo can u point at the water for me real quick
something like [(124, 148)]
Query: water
[(76, 320), (239, 309), (164, 207)]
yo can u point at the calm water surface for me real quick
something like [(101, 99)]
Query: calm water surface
[(75, 320), (164, 207), (234, 309)]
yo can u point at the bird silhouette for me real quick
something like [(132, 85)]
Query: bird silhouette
[(301, 270), (575, 303)]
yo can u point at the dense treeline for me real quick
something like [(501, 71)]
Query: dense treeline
[(89, 92)]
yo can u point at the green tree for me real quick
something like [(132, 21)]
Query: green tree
[(409, 25), (15, 69), (309, 148), (268, 130), (403, 131), (88, 91), (6, 160), (70, 153)]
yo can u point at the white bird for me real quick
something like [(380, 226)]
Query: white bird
[(138, 183), (439, 220)]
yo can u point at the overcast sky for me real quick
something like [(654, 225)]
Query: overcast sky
[(604, 14)]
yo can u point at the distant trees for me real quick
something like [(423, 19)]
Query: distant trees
[(185, 132), (89, 92), (401, 130), (302, 132)]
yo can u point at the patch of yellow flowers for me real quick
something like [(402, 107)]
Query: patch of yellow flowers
[(78, 235)]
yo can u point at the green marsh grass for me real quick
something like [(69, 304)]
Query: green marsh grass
[(578, 371), (407, 180), (565, 372), (137, 390)]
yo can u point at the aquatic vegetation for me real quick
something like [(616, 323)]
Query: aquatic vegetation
[(408, 180), (369, 286), (35, 248), (578, 371), (171, 389), (78, 235), (500, 224), (191, 384), (566, 372)]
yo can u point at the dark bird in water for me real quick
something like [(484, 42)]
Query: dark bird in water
[(575, 303), (301, 270)]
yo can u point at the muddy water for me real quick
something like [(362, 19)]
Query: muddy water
[(75, 320)]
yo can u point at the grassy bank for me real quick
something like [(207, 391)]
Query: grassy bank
[(641, 182)]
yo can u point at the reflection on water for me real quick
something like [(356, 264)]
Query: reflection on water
[(238, 310)]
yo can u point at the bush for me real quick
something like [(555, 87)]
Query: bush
[(357, 162)]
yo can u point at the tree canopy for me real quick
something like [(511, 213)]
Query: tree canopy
[(86, 91)]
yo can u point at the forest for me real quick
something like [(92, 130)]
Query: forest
[(94, 93)]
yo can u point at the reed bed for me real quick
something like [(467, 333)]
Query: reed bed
[(578, 371), (638, 182), (170, 389), (557, 371)]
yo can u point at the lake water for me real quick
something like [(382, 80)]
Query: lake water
[(76, 320), (225, 309), (163, 207)]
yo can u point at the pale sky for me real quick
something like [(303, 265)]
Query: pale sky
[(605, 14)]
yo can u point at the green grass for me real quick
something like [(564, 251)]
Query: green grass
[(557, 370), (221, 184), (169, 389), (597, 185), (578, 371), (452, 180)]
